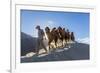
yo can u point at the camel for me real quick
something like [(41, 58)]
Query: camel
[(72, 36), (49, 35), (52, 36), (61, 33)]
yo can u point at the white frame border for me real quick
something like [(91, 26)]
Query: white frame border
[(50, 64)]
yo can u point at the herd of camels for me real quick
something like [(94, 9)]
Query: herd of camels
[(59, 33)]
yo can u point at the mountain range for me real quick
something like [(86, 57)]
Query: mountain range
[(28, 43)]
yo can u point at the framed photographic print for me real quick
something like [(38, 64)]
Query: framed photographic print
[(51, 36)]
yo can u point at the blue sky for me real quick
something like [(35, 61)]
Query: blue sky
[(77, 22)]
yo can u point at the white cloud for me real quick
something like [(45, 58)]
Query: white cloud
[(50, 22), (84, 40)]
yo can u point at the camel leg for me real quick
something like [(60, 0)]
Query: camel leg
[(56, 44), (49, 46), (44, 46), (65, 42), (62, 43)]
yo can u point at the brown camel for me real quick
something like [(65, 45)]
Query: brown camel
[(49, 36), (67, 36), (61, 34), (55, 35), (72, 36), (52, 36)]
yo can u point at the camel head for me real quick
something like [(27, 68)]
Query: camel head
[(47, 29)]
